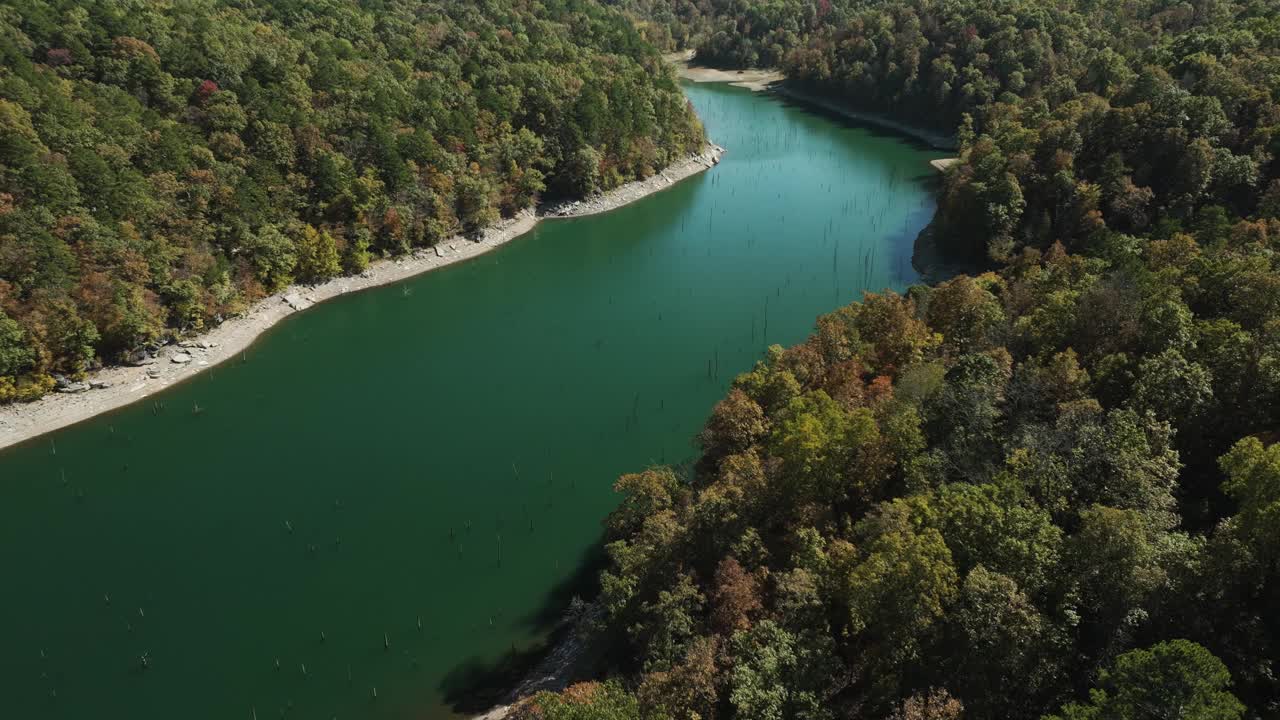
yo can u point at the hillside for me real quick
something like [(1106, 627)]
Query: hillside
[(163, 165)]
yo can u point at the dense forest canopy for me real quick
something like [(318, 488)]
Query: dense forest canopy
[(1048, 491), (163, 165)]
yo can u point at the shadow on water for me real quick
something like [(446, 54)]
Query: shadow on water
[(936, 261), (476, 685), (880, 130), (929, 252)]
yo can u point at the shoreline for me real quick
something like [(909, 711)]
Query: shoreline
[(774, 81), (557, 669), (933, 263), (116, 386), (754, 79)]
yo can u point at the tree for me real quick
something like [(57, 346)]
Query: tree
[(1114, 567), (689, 689), (15, 354), (581, 172), (475, 208), (996, 651), (356, 255), (779, 676), (987, 526), (584, 701), (669, 624), (936, 705), (815, 439), (735, 424), (1173, 388), (1253, 481), (736, 599), (67, 335), (963, 417), (897, 338), (1177, 679), (273, 256), (317, 255), (897, 583), (644, 495), (965, 312)]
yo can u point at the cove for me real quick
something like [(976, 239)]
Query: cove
[(396, 489)]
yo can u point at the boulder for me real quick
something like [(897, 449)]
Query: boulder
[(99, 384), (180, 358), (74, 387), (138, 358), (153, 373)]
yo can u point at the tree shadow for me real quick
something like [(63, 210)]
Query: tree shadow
[(878, 124), (477, 684), (937, 258)]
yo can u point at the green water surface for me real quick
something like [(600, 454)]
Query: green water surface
[(438, 452)]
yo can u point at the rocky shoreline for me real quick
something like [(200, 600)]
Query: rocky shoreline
[(560, 665), (155, 369), (638, 189)]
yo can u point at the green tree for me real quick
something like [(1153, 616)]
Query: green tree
[(317, 255), (779, 676), (1176, 679), (475, 206), (273, 256), (997, 649), (815, 439), (581, 172), (897, 583), (356, 255), (1116, 563), (68, 336), (15, 354), (1253, 481)]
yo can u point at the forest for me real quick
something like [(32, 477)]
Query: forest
[(165, 165), (1049, 490)]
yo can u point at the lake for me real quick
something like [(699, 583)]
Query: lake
[(397, 489)]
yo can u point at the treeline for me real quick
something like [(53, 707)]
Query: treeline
[(1052, 490), (163, 165)]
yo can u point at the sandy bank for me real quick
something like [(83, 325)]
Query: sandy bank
[(117, 386), (943, 164), (753, 79)]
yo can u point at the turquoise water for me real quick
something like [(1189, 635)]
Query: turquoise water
[(398, 488)]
